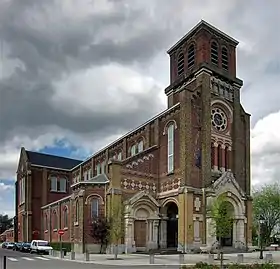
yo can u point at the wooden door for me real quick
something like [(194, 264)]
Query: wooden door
[(140, 233)]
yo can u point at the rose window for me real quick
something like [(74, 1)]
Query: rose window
[(218, 119)]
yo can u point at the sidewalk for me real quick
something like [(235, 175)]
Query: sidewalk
[(144, 260)]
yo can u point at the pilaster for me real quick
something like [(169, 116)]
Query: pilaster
[(249, 215)]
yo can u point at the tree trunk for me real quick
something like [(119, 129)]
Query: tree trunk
[(219, 248), (116, 252)]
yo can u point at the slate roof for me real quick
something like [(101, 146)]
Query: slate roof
[(102, 178), (48, 160)]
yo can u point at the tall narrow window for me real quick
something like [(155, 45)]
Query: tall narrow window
[(120, 156), (65, 217), (53, 184), (226, 158), (225, 58), (214, 53), (170, 148), (46, 222), (98, 169), (191, 56), (77, 212), (94, 208), (133, 150), (61, 185), (140, 146), (55, 222), (85, 175), (220, 156), (181, 64)]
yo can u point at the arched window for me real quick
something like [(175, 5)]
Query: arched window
[(55, 220), (98, 169), (214, 53), (140, 146), (191, 56), (220, 152), (226, 158), (120, 156), (46, 222), (94, 208), (180, 64), (133, 150), (77, 211), (225, 58), (170, 148), (65, 215)]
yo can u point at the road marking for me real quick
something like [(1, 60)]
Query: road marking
[(28, 259), (42, 258), (12, 259)]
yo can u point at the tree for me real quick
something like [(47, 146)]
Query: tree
[(5, 223), (116, 226), (266, 204), (101, 231), (220, 212)]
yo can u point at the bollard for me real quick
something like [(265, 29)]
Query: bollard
[(268, 257), (152, 258), (211, 258), (240, 258), (4, 262), (72, 255), (181, 258), (61, 254), (86, 256)]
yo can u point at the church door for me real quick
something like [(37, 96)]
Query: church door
[(140, 233)]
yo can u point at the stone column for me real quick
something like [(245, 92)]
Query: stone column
[(223, 155), (163, 233), (129, 236), (249, 222), (210, 230)]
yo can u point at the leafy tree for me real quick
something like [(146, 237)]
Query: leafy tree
[(266, 204), (116, 226), (100, 231), (220, 213), (5, 223)]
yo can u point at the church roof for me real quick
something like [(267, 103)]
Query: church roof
[(47, 160)]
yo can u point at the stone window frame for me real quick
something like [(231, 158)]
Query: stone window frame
[(46, 222), (97, 200)]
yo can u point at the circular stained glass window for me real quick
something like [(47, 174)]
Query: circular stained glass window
[(219, 119)]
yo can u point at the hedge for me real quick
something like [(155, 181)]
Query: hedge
[(66, 245)]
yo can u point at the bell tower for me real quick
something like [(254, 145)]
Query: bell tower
[(214, 127)]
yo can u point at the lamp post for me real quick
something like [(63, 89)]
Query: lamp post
[(261, 220)]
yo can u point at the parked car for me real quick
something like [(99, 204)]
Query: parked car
[(40, 246), (10, 245), (17, 246), (4, 245), (25, 247)]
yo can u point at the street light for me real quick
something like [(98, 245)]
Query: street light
[(262, 221)]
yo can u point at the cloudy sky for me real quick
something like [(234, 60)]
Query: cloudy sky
[(75, 75)]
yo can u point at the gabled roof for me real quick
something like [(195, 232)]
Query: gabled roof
[(99, 179), (52, 161)]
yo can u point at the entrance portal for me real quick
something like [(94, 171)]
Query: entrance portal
[(227, 238), (172, 225)]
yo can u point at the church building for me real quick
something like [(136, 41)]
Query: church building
[(165, 172)]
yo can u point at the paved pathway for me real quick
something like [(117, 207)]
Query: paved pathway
[(144, 260)]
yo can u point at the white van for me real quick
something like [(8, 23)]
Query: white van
[(40, 246)]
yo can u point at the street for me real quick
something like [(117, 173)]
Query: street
[(19, 260)]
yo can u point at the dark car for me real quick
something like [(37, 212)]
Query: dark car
[(17, 246), (25, 247)]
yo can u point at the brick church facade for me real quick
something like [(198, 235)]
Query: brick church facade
[(165, 172)]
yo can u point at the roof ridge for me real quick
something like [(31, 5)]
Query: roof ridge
[(53, 155)]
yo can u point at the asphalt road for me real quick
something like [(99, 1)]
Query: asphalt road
[(19, 260)]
